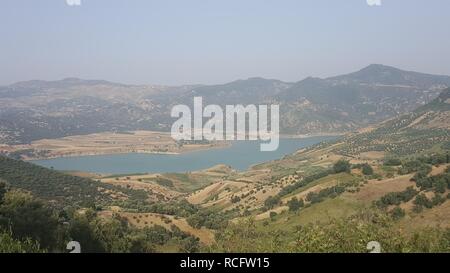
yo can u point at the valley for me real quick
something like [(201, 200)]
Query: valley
[(224, 135), (239, 155), (35, 110), (387, 182)]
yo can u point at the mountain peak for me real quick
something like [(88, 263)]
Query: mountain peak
[(388, 75), (379, 66), (375, 70), (71, 79)]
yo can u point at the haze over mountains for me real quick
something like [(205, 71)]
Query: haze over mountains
[(389, 181), (48, 109)]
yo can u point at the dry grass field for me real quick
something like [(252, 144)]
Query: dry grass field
[(375, 189), (141, 220), (112, 143)]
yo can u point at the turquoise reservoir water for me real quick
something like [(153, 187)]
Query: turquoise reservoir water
[(240, 156)]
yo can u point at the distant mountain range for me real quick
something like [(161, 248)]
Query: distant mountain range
[(48, 109), (350, 101)]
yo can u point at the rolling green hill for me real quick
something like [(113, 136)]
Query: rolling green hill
[(59, 188)]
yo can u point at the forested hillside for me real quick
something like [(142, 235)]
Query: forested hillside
[(61, 188)]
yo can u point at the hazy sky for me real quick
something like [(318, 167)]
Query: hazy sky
[(215, 41)]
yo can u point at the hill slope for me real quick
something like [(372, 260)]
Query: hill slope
[(422, 130), (60, 188), (39, 109), (420, 140), (351, 101)]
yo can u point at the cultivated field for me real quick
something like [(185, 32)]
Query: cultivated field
[(109, 143)]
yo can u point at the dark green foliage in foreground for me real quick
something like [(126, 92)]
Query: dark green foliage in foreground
[(28, 218), (53, 185), (116, 236), (10, 245), (31, 225), (2, 190), (339, 235)]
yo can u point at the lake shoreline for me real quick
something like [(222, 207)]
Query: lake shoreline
[(240, 155), (70, 155), (188, 149)]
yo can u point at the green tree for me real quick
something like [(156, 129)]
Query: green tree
[(271, 202), (397, 213), (10, 245), (392, 162), (367, 169), (82, 231), (114, 235), (27, 217), (235, 199), (2, 191), (272, 215), (190, 245), (422, 201), (294, 204), (342, 166)]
